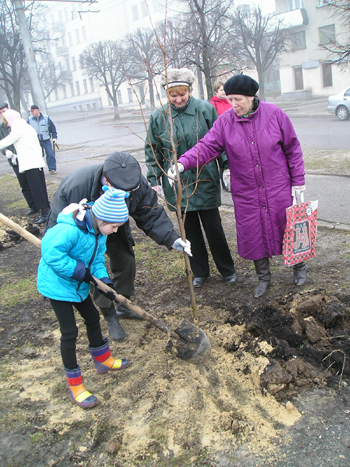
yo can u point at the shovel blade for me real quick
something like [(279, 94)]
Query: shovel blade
[(193, 344)]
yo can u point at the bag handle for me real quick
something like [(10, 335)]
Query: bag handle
[(299, 197)]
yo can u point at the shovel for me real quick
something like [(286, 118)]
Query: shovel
[(186, 342)]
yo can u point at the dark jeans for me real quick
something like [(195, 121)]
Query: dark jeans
[(69, 331), (23, 182), (211, 222), (37, 185), (50, 156)]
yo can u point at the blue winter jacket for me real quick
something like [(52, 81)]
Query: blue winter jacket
[(67, 250)]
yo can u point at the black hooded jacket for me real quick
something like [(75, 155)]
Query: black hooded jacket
[(142, 203)]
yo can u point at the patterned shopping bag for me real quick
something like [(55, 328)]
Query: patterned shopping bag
[(300, 233)]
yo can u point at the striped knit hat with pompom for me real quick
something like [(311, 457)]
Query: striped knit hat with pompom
[(111, 206)]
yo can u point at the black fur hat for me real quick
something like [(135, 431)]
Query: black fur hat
[(241, 84)]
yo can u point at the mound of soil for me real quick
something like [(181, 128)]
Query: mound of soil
[(234, 408)]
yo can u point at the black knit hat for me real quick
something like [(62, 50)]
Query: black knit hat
[(241, 84), (122, 171), (4, 104), (32, 107)]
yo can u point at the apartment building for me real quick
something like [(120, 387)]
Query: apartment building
[(75, 26), (309, 70)]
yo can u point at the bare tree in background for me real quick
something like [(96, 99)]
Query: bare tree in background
[(259, 40), (109, 63), (146, 60), (203, 34), (13, 68), (339, 44), (52, 77)]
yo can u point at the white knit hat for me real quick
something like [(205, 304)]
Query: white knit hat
[(111, 207), (177, 77)]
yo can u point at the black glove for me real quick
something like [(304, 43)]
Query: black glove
[(88, 277), (109, 294)]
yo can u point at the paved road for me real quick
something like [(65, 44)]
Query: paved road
[(95, 136)]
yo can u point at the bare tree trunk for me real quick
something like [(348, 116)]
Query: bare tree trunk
[(200, 84), (116, 111)]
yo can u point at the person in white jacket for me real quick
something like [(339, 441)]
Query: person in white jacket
[(29, 158)]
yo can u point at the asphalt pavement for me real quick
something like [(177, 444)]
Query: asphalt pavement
[(91, 136)]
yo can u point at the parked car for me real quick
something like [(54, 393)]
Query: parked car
[(339, 104)]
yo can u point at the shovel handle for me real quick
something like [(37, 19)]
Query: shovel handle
[(136, 309), (20, 230)]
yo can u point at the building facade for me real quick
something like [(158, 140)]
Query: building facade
[(308, 69)]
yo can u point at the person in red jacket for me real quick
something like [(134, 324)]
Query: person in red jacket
[(219, 101)]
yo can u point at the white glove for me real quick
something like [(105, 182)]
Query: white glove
[(182, 246), (299, 188), (54, 140), (11, 156), (226, 178), (172, 173), (298, 193), (158, 189)]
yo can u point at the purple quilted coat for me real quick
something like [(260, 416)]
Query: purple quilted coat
[(265, 160)]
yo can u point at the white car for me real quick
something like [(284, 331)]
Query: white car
[(339, 104)]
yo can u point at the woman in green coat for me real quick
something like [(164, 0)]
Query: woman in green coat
[(192, 118)]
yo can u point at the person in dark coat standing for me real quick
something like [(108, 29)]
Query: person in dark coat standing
[(192, 118), (120, 170), (46, 130), (267, 168), (11, 155)]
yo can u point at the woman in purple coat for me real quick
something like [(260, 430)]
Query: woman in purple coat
[(266, 166)]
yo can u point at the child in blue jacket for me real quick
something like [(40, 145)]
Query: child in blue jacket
[(72, 253)]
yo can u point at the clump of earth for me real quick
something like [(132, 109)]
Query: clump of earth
[(162, 410)]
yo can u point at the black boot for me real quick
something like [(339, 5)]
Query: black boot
[(299, 273), (124, 312), (262, 268), (44, 216), (115, 330)]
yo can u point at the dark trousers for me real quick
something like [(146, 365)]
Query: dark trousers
[(211, 222), (50, 155), (69, 331), (23, 183), (123, 267), (37, 185)]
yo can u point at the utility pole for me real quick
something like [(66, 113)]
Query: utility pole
[(39, 97)]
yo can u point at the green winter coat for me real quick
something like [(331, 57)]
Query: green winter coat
[(189, 127)]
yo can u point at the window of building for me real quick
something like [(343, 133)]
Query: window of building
[(68, 64), (130, 94), (135, 13), (83, 30), (85, 86), (144, 9), (56, 94), (92, 87), (70, 40), (77, 88), (295, 4), (158, 4), (60, 17), (327, 75), (72, 89), (60, 66), (119, 96), (298, 77), (66, 15), (77, 36), (327, 34), (49, 98), (298, 40), (74, 65), (322, 3), (64, 90)]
